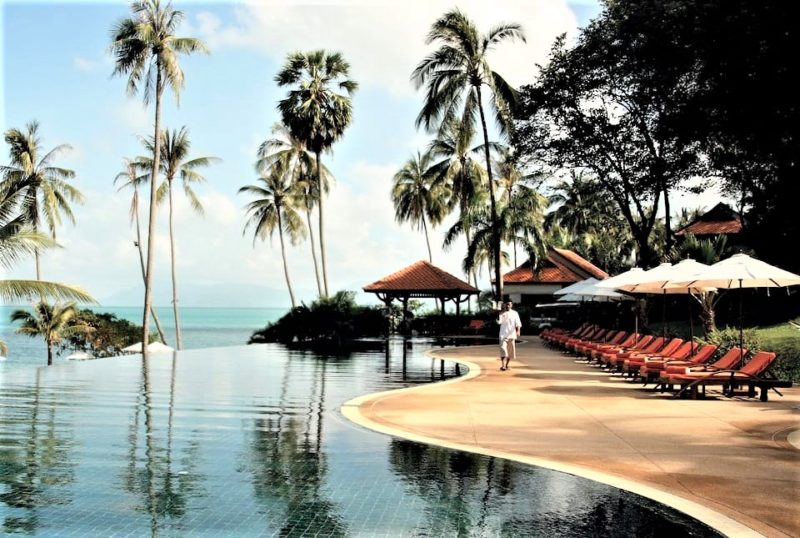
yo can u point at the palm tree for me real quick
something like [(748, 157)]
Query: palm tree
[(46, 195), (315, 113), (519, 193), (580, 206), (18, 240), (416, 196), (49, 322), (146, 49), (274, 209), (291, 153), (132, 176), (455, 75), (458, 169), (174, 162)]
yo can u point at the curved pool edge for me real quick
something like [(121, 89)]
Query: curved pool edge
[(352, 410)]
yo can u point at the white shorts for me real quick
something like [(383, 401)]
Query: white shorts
[(504, 347)]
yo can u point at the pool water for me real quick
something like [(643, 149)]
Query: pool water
[(249, 441)]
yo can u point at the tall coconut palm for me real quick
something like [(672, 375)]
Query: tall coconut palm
[(133, 175), (274, 209), (417, 197), (52, 323), (520, 196), (290, 152), (456, 74), (46, 195), (146, 50), (580, 206), (175, 163), (315, 113), (19, 240)]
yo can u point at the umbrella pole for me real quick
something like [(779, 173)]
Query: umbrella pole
[(741, 326), (691, 322), (664, 314)]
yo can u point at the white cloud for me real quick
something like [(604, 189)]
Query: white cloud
[(133, 116), (83, 65), (382, 41)]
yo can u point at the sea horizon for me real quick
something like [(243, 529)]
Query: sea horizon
[(202, 327)]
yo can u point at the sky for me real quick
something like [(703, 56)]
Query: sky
[(56, 70)]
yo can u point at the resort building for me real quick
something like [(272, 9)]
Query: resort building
[(561, 268), (719, 220)]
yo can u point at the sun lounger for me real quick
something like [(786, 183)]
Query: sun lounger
[(729, 360), (615, 338), (676, 349), (616, 360), (652, 367), (476, 325), (605, 355), (750, 375), (628, 342)]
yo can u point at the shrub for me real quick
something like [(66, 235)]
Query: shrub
[(728, 337), (328, 320), (108, 336)]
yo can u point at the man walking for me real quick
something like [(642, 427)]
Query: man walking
[(510, 327)]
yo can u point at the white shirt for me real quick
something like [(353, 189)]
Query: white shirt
[(509, 323)]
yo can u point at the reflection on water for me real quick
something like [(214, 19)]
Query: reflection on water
[(249, 441)]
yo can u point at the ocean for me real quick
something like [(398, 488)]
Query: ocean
[(202, 328)]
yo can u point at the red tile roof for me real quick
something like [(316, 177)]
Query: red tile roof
[(712, 228), (561, 266), (582, 263), (420, 277), (720, 219)]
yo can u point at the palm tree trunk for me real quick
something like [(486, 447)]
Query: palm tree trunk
[(427, 239), (175, 309), (498, 285), (141, 263), (151, 226), (38, 268), (667, 220), (283, 255), (313, 252), (49, 353), (473, 272), (321, 223)]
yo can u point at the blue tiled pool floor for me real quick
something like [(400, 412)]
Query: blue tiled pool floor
[(248, 441)]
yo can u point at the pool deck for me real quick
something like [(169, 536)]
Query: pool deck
[(731, 462)]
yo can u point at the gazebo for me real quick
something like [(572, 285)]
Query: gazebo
[(422, 280)]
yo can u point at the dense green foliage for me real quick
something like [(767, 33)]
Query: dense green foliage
[(333, 320), (105, 336), (653, 93)]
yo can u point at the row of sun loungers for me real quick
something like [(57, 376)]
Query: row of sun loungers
[(670, 363)]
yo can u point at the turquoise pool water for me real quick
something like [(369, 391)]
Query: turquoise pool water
[(248, 441)]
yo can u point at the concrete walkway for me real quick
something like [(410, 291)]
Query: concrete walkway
[(705, 457)]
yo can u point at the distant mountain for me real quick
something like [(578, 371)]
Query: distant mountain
[(221, 295)]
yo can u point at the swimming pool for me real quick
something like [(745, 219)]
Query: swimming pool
[(249, 441)]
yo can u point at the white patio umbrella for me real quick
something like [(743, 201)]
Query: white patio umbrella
[(572, 288), (617, 281), (738, 272), (654, 281), (154, 347), (79, 356)]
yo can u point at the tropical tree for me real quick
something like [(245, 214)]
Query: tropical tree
[(458, 169), (315, 113), (274, 208), (579, 204), (174, 163), (455, 75), (291, 153), (520, 196), (52, 323), (18, 240), (417, 198), (146, 49), (133, 175), (45, 193)]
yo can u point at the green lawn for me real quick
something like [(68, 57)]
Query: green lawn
[(784, 340)]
